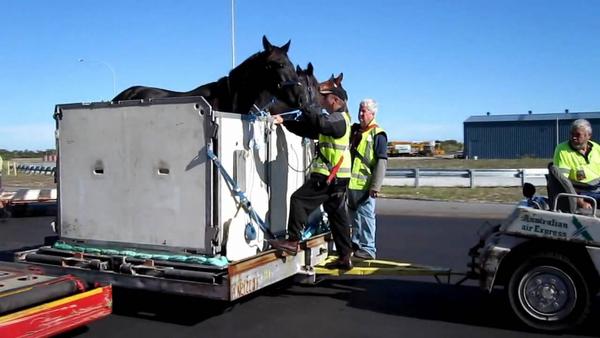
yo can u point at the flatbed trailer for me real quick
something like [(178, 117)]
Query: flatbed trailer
[(19, 201), (36, 304), (226, 283)]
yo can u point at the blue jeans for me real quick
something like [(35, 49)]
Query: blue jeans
[(362, 215), (594, 194)]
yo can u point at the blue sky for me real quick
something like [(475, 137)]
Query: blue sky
[(429, 64)]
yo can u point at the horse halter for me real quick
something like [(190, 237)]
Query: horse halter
[(291, 83), (274, 98), (288, 83)]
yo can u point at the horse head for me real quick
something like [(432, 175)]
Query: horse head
[(266, 76), (307, 93), (310, 84), (331, 83)]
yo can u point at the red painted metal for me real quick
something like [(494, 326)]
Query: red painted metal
[(58, 316)]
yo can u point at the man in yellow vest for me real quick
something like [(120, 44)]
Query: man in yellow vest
[(369, 161), (330, 174), (578, 159)]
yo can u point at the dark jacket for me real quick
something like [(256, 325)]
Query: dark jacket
[(312, 123)]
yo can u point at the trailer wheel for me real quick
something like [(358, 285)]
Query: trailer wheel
[(548, 292)]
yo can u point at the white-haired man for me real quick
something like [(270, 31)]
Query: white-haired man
[(368, 147), (579, 160)]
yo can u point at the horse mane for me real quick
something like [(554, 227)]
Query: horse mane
[(242, 67)]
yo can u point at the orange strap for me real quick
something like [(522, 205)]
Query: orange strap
[(374, 125), (334, 170)]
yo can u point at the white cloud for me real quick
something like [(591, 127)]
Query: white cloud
[(38, 136)]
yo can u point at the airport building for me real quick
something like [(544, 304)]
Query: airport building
[(521, 135)]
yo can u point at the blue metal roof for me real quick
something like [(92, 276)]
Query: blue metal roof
[(533, 117)]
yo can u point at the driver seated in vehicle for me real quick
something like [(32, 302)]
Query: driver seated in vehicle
[(578, 159)]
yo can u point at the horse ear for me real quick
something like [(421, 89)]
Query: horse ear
[(286, 47), (309, 69), (266, 44), (338, 80), (298, 69)]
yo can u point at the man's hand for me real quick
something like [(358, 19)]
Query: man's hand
[(373, 193), (583, 204), (277, 119)]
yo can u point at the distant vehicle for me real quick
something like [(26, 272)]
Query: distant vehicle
[(459, 155), (400, 149), (415, 148)]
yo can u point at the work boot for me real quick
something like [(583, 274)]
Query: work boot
[(363, 254), (342, 263), (288, 246)]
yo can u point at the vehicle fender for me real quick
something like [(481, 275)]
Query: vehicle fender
[(516, 249), (594, 253), (495, 253)]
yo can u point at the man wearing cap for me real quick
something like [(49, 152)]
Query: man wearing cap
[(330, 174), (368, 146)]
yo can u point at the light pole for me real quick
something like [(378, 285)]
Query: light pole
[(114, 75), (232, 34)]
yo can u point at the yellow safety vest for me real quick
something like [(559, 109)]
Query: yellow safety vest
[(574, 165), (331, 150), (364, 159)]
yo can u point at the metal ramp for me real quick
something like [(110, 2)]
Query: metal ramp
[(377, 267)]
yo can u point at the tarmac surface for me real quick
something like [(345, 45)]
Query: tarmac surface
[(421, 232), (388, 206)]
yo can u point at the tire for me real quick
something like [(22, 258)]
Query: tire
[(548, 292)]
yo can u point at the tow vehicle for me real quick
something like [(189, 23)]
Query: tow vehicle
[(546, 255)]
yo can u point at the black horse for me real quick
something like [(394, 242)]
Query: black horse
[(265, 77), (310, 84), (309, 93)]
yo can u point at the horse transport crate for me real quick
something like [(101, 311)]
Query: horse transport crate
[(137, 174)]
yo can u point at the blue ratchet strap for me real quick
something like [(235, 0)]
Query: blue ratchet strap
[(237, 192), (257, 114), (295, 115), (264, 115)]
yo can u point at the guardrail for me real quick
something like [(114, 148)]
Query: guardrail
[(417, 177), (30, 169), (413, 177)]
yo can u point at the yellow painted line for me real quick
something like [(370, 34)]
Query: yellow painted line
[(9, 293), (50, 305)]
